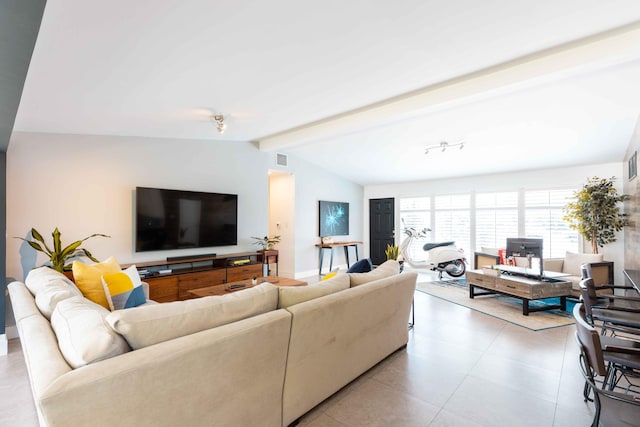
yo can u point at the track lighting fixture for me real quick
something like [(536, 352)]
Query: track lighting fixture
[(220, 124), (443, 146)]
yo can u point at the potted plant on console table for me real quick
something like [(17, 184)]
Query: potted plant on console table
[(267, 243), (270, 255)]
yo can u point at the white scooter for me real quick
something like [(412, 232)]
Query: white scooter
[(441, 257)]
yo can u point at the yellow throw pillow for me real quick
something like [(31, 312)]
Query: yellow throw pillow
[(88, 279), (329, 276), (123, 289)]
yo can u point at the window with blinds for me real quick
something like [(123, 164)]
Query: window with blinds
[(415, 212), (496, 219), (453, 220), (543, 211)]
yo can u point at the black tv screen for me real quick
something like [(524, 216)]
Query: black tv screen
[(527, 250), (334, 218), (176, 219)]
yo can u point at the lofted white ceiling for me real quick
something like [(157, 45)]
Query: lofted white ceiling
[(360, 87)]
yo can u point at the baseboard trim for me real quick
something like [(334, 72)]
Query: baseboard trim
[(311, 273), (305, 274)]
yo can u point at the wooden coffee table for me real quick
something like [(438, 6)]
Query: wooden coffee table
[(524, 288), (227, 288)]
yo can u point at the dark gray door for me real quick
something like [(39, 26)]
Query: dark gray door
[(381, 228)]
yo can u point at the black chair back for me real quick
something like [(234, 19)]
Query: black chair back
[(587, 299), (589, 339)]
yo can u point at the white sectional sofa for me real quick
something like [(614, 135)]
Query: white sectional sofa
[(602, 271), (261, 356)]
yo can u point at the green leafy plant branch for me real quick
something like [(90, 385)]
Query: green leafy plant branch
[(58, 256), (266, 242), (594, 212)]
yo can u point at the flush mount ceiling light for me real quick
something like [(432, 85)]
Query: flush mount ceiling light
[(220, 124), (443, 146)]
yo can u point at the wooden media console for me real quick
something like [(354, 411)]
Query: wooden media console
[(171, 280)]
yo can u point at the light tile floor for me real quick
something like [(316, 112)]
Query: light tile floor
[(460, 368), (464, 368)]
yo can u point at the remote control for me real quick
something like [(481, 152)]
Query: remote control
[(239, 285)]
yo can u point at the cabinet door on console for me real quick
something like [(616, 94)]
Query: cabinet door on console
[(243, 272), (163, 289), (198, 280)]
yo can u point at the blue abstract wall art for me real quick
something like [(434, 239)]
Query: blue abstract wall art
[(334, 218)]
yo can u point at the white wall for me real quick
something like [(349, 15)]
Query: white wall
[(84, 184), (282, 219), (542, 179), (313, 184)]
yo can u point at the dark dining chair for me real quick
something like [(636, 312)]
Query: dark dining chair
[(610, 316), (612, 407)]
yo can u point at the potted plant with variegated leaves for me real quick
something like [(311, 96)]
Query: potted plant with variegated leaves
[(59, 256)]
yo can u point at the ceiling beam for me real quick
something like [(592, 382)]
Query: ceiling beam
[(599, 51)]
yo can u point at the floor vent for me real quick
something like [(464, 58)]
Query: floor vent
[(282, 160)]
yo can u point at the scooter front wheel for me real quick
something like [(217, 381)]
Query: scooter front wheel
[(456, 268)]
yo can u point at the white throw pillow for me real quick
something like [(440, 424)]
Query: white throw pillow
[(572, 262), (151, 324), (54, 291), (83, 334), (39, 277), (291, 295), (386, 269)]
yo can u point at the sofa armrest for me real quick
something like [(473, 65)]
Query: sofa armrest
[(480, 259), (145, 289)]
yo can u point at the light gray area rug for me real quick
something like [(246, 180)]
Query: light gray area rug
[(500, 306)]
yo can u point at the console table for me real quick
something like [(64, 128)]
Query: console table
[(243, 284), (524, 288), (173, 279), (331, 246)]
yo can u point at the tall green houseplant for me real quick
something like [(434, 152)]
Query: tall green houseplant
[(595, 212)]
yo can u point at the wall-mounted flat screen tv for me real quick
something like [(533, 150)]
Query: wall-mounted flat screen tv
[(175, 219), (334, 218)]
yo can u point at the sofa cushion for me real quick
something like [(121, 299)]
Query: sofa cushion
[(88, 278), (490, 251), (123, 289), (386, 269), (150, 324), (553, 264), (39, 277), (83, 334), (291, 295), (573, 261), (54, 291)]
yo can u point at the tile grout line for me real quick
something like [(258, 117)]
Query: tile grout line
[(467, 375)]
